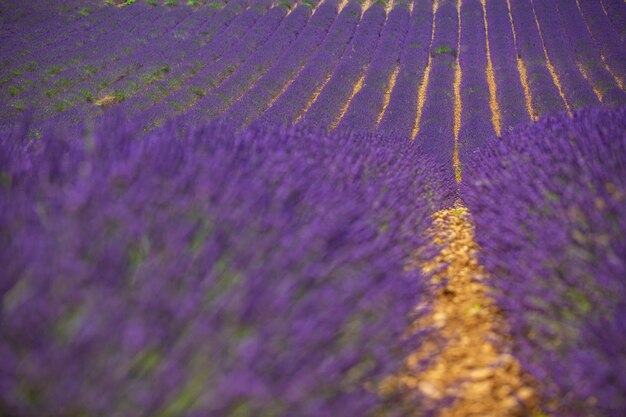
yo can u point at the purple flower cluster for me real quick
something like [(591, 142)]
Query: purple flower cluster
[(509, 90), (545, 94), (238, 84), (400, 114), (436, 128), (261, 96), (576, 89), (549, 204), (210, 274), (214, 75), (316, 73), (476, 127), (368, 103), (588, 54), (327, 107)]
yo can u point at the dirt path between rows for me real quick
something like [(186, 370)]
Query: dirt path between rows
[(473, 372)]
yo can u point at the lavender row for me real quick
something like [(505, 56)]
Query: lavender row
[(22, 23), (588, 56), (181, 43), (28, 66), (368, 104), (217, 101), (548, 202), (616, 12), (326, 109), (106, 25), (436, 128), (607, 41), (399, 117), (577, 91), (29, 37), (316, 73), (476, 127), (231, 28), (215, 74), (78, 113), (130, 36), (261, 96), (92, 61), (211, 273), (544, 93), (77, 84), (509, 89)]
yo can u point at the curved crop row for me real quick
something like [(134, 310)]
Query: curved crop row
[(217, 101), (576, 89), (607, 40), (367, 105), (544, 93), (548, 202), (400, 114), (209, 274), (588, 56), (271, 86), (476, 127), (510, 93), (232, 28), (335, 96), (215, 74), (436, 128), (303, 90)]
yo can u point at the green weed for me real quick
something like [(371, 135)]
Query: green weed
[(54, 70), (198, 91), (444, 50), (64, 82), (19, 106), (90, 70), (13, 90), (120, 95), (286, 4), (86, 11), (60, 106), (87, 95), (31, 66)]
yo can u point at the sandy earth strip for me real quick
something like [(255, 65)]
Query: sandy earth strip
[(473, 372)]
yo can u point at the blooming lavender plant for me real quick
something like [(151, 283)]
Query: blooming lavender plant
[(216, 102), (298, 97), (368, 103), (400, 114), (548, 202), (327, 107), (476, 126), (588, 55), (436, 126), (211, 274), (544, 93), (509, 90), (261, 96)]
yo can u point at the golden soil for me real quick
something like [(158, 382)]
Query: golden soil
[(472, 372)]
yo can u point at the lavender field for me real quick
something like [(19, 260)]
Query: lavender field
[(264, 208)]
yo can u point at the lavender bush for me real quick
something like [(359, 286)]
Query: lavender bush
[(212, 274), (549, 203)]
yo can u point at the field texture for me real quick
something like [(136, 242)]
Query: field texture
[(268, 208)]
